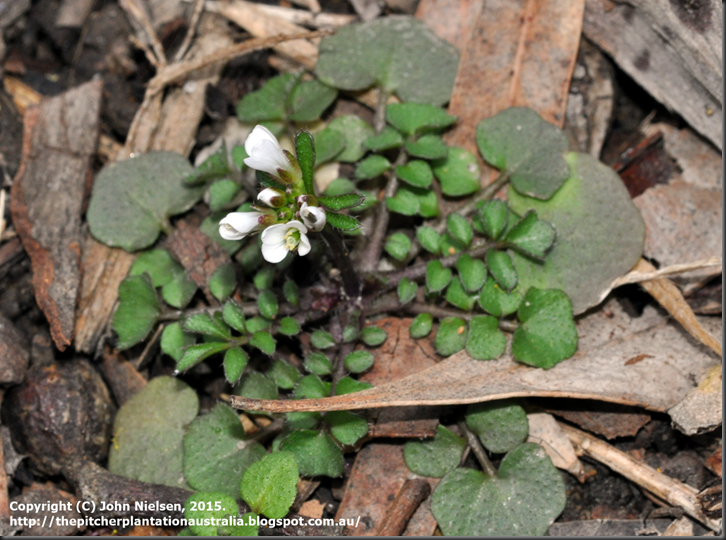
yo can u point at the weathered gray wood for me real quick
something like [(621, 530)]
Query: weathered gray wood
[(671, 48)]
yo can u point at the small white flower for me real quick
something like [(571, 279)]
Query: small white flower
[(265, 153), (278, 240), (271, 197), (237, 225), (313, 217)]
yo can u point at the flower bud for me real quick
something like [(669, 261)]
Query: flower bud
[(272, 197), (313, 217)]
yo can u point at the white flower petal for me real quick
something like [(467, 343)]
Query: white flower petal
[(266, 156), (303, 247), (275, 234), (269, 196), (237, 225), (274, 253), (294, 224), (313, 217), (259, 134)]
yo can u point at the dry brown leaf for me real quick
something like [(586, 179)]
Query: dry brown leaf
[(701, 410), (607, 419), (714, 463), (608, 339), (451, 20), (545, 431)]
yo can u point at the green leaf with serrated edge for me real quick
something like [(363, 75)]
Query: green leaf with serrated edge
[(398, 246), (144, 191), (194, 354), (494, 215), (239, 154), (174, 339), (434, 457), (428, 147), (148, 432), (498, 302), (354, 131), (223, 281), (547, 334), (265, 180), (348, 385), (208, 507), (214, 167), (458, 173), (421, 325), (256, 324), (256, 385), (303, 420), (210, 227), (472, 272), (451, 336), (234, 316), (180, 290), (216, 452), (137, 312), (321, 339), (235, 362), (398, 53), (269, 102), (306, 158), (373, 336), (221, 193), (415, 118), (289, 326), (500, 425), (359, 361), (387, 139), (343, 222), (339, 186), (267, 304), (457, 296), (531, 236), (437, 277), (530, 150), (407, 290), (451, 245), (203, 323), (264, 342), (311, 387), (600, 234), (371, 167), (346, 427), (404, 202), (485, 341), (460, 228), (264, 278), (341, 202), (328, 145), (309, 100), (523, 500), (284, 375), (428, 202), (315, 452), (501, 268), (269, 485), (158, 263), (318, 363), (429, 239), (416, 173), (289, 289)]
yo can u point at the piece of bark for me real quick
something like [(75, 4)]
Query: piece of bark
[(702, 408), (14, 355), (521, 53), (607, 419), (645, 165), (451, 20), (408, 499), (714, 462), (198, 254), (11, 252), (48, 195), (47, 493), (672, 49), (120, 375)]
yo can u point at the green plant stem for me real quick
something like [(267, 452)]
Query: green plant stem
[(340, 255), (478, 450)]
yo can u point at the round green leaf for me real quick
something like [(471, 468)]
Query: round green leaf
[(547, 334), (494, 215), (257, 324), (223, 281), (291, 293), (235, 361), (318, 363), (312, 387), (180, 290), (158, 263), (322, 339), (328, 145), (460, 228), (416, 173), (421, 325), (289, 326), (429, 239), (373, 336), (458, 172), (303, 420), (407, 290), (485, 341), (457, 296), (387, 139), (498, 302), (267, 304), (500, 425), (174, 339), (315, 452), (284, 375), (309, 100), (501, 268), (264, 342), (264, 278), (359, 361), (133, 199), (472, 272), (137, 312), (346, 427), (203, 323), (256, 385), (404, 202), (531, 236), (269, 485), (348, 385), (451, 245), (221, 193), (206, 506), (437, 277), (525, 498), (451, 336), (398, 246), (520, 143), (415, 118), (234, 316), (194, 354), (434, 457), (371, 167), (269, 102), (354, 131), (428, 147), (216, 452)]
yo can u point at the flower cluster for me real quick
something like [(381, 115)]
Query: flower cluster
[(284, 216)]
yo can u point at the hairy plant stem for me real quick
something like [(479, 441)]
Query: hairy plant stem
[(341, 257), (478, 450)]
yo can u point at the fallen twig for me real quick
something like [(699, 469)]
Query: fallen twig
[(139, 19), (193, 22), (639, 277), (411, 495)]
